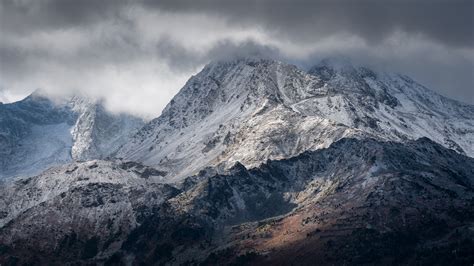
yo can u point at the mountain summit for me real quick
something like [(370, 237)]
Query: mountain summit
[(251, 110), (234, 111)]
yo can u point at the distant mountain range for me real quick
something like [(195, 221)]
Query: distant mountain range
[(254, 161), (37, 133)]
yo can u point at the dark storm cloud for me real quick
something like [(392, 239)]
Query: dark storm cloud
[(447, 21), (26, 16), (181, 59), (115, 47)]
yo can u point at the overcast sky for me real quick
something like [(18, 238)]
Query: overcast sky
[(138, 54)]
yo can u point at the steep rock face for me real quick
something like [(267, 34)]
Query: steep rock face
[(37, 133), (356, 192), (251, 110), (98, 133)]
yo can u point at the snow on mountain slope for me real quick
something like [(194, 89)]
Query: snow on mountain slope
[(27, 193), (390, 104), (93, 200), (37, 133), (251, 110), (233, 111), (98, 133)]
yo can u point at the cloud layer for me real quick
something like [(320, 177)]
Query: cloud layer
[(137, 54)]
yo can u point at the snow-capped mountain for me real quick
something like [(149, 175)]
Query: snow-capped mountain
[(38, 132), (251, 110), (253, 162)]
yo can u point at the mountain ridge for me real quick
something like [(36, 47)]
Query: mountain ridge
[(221, 217), (223, 100), (210, 120)]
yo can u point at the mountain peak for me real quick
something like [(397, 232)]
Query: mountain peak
[(245, 110)]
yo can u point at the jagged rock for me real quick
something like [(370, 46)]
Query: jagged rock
[(406, 198)]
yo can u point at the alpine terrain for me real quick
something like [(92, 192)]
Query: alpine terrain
[(253, 110), (253, 162)]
